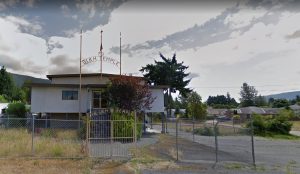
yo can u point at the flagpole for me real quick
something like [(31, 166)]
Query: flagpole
[(80, 60), (101, 55), (120, 55)]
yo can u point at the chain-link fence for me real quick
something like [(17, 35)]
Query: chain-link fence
[(32, 137), (211, 141)]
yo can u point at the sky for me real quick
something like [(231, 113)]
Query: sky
[(224, 43)]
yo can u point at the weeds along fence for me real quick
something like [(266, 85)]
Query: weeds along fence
[(97, 137), (212, 141), (29, 137)]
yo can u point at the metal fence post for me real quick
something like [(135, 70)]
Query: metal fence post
[(111, 136), (87, 134), (216, 140), (162, 123), (193, 130), (135, 131), (151, 120), (233, 125), (252, 141), (166, 117), (32, 133), (177, 139)]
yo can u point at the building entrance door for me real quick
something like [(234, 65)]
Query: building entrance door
[(99, 99)]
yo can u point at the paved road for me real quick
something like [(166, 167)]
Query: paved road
[(269, 153)]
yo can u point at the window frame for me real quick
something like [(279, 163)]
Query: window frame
[(69, 95)]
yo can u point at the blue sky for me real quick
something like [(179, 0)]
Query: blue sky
[(224, 43)]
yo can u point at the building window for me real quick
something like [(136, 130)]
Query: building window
[(99, 99), (70, 95)]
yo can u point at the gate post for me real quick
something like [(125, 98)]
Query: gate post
[(111, 136), (176, 139), (216, 141), (87, 131), (32, 133), (135, 131), (163, 123), (252, 141)]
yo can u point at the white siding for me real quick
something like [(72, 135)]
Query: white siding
[(158, 104), (49, 100)]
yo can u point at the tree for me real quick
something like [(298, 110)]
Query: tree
[(17, 110), (6, 84), (260, 101), (248, 95), (221, 101), (280, 103), (129, 93), (168, 72), (196, 109)]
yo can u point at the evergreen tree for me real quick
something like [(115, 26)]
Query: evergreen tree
[(248, 95), (168, 72), (7, 86)]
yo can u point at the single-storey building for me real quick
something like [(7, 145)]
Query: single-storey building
[(60, 98), (295, 108), (246, 112), (219, 112)]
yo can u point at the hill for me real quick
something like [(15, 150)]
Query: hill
[(284, 95), (21, 79)]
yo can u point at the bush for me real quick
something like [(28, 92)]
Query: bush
[(81, 132), (206, 131), (259, 125), (17, 109), (277, 125), (124, 126)]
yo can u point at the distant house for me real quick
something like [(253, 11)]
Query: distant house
[(219, 112), (295, 108), (246, 112), (60, 98)]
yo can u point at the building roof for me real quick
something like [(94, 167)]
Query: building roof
[(83, 85), (250, 110), (85, 75), (66, 85), (295, 107), (211, 111), (258, 110)]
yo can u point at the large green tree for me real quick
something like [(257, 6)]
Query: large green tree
[(7, 86), (260, 101), (196, 109), (248, 95), (221, 101), (168, 72), (279, 103)]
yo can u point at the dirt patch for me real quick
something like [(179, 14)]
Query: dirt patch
[(45, 166)]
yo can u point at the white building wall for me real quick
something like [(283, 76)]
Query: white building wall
[(158, 104), (49, 100)]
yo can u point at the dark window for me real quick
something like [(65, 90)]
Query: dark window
[(99, 99), (70, 95)]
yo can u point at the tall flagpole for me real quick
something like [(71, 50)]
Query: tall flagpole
[(80, 57), (120, 55), (101, 54)]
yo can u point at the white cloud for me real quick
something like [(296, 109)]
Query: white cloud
[(24, 25), (22, 47)]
